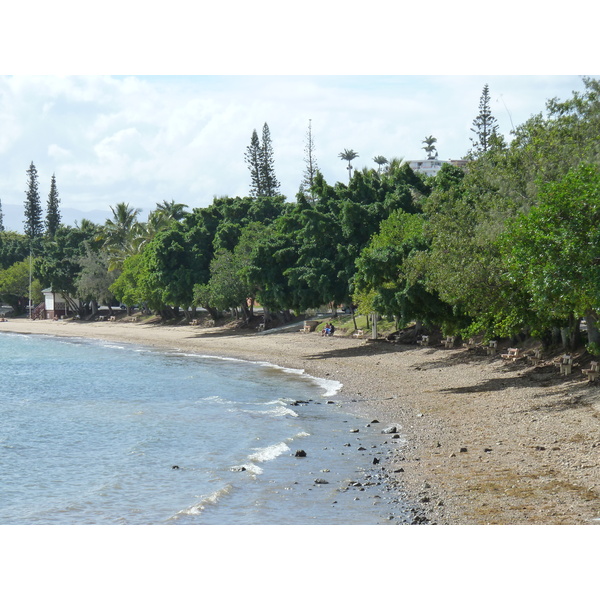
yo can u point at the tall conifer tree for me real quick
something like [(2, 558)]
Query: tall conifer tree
[(52, 212), (253, 160), (267, 174), (1, 218), (33, 209), (485, 126), (311, 163)]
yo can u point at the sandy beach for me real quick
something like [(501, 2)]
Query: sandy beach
[(486, 441)]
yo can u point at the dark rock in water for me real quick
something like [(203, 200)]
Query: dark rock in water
[(354, 431), (400, 470), (375, 461), (361, 448), (300, 453), (174, 467), (374, 421), (396, 436), (321, 481), (238, 469)]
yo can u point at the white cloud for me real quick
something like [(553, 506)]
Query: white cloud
[(146, 139)]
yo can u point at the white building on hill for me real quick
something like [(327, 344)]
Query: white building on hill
[(431, 166)]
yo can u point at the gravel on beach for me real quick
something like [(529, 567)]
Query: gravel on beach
[(482, 440)]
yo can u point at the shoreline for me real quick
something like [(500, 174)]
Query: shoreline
[(484, 441)]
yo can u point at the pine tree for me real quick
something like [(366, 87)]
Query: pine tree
[(33, 209), (311, 164), (52, 212), (269, 182), (1, 218), (253, 160), (485, 126)]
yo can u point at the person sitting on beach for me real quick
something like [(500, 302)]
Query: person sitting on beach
[(331, 329), (326, 329)]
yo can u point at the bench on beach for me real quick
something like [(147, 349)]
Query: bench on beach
[(112, 318), (470, 344), (424, 341), (309, 326), (565, 364), (536, 357), (359, 333), (593, 372), (492, 348), (194, 322), (512, 354), (101, 318), (449, 342)]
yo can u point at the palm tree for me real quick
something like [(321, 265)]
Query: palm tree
[(348, 155), (172, 210), (117, 233), (429, 147), (380, 160)]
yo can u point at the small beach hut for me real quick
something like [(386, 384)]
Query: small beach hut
[(56, 305)]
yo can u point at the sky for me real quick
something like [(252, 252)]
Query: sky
[(146, 139)]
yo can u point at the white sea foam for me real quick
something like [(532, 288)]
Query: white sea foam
[(331, 387), (215, 400), (278, 411), (250, 467), (269, 453), (205, 501)]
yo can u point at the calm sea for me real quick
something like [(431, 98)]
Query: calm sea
[(93, 432)]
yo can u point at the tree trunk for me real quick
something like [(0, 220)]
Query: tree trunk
[(591, 318)]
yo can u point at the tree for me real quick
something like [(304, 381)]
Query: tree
[(15, 285), (33, 209), (269, 182), (485, 126), (553, 251), (118, 232), (380, 160), (253, 160), (52, 212), (348, 155), (429, 147), (94, 280), (1, 218), (311, 164)]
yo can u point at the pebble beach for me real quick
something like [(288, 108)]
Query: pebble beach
[(484, 441)]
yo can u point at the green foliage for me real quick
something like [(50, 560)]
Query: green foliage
[(260, 160), (553, 251), (33, 209), (14, 247), (59, 264), (94, 280), (52, 210), (14, 285), (485, 126)]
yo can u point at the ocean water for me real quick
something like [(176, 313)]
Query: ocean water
[(93, 432)]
